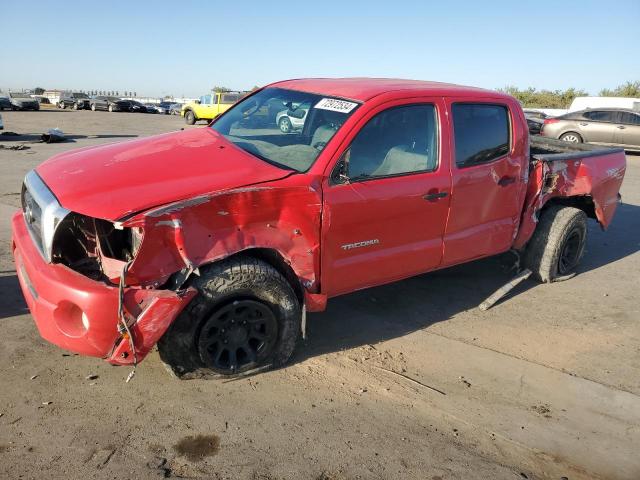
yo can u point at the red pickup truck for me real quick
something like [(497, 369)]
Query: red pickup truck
[(214, 242)]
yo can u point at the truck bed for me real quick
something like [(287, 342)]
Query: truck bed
[(550, 149), (576, 174)]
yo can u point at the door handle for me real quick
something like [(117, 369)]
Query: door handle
[(621, 127), (583, 124), (506, 180), (432, 197)]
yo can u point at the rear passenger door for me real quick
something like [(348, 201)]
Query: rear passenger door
[(599, 126), (487, 179), (386, 203), (628, 129)]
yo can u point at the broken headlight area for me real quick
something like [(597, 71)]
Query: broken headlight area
[(94, 247)]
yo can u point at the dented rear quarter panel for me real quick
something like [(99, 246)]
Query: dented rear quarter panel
[(598, 175), (282, 215)]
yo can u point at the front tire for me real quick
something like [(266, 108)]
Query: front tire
[(245, 317), (93, 107), (190, 117), (557, 245), (62, 105), (110, 108), (285, 125)]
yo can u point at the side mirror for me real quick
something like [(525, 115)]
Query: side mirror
[(340, 174)]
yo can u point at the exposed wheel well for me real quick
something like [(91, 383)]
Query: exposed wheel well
[(273, 258), (583, 202), (267, 255)]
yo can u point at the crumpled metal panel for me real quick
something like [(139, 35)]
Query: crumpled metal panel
[(283, 216), (598, 177)]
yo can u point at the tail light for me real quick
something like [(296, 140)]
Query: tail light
[(547, 121)]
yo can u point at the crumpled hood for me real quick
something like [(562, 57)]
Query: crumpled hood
[(111, 181)]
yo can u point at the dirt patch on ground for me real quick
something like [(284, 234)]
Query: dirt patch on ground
[(196, 448)]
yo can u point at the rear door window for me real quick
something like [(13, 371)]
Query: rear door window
[(629, 118), (481, 131), (229, 98)]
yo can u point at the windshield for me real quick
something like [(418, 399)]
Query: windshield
[(19, 95), (80, 95), (284, 127)]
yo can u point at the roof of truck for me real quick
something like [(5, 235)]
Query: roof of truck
[(363, 89)]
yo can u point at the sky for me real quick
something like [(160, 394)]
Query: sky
[(184, 48)]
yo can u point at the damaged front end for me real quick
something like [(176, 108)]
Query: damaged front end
[(73, 273), (93, 247)]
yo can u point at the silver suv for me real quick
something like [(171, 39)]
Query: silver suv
[(604, 126)]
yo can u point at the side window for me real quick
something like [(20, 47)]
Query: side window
[(600, 116), (205, 100), (229, 98), (481, 133), (629, 118), (396, 141)]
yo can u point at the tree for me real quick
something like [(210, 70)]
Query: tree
[(533, 98), (221, 89), (629, 89), (38, 91)]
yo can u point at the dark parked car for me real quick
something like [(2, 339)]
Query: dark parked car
[(529, 113), (605, 126), (23, 101), (5, 103), (175, 108), (137, 107), (111, 104), (534, 124), (75, 100), (152, 108)]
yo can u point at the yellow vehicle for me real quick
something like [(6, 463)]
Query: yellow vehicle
[(209, 106)]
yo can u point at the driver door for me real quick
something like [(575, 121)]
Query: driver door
[(387, 220)]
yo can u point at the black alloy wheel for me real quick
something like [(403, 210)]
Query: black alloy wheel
[(570, 254), (238, 336)]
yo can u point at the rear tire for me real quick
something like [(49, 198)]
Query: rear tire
[(93, 107), (557, 245), (190, 117), (62, 105), (571, 137), (110, 108), (245, 317)]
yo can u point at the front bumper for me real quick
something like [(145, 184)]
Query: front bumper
[(81, 315)]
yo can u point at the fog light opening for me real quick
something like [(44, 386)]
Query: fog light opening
[(70, 319)]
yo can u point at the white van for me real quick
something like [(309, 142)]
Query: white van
[(583, 103)]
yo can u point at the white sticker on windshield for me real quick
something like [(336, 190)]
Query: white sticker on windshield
[(335, 105)]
